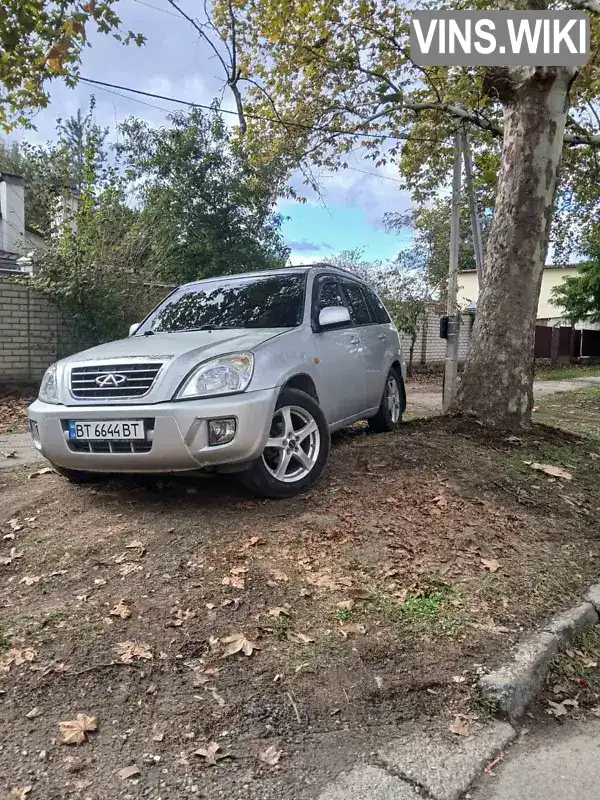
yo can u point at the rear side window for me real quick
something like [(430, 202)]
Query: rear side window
[(357, 304), (378, 310)]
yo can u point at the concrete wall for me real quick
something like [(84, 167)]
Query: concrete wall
[(30, 331), (468, 290)]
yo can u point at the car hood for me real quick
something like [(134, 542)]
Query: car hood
[(198, 345)]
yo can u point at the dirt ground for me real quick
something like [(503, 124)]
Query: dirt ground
[(181, 615)]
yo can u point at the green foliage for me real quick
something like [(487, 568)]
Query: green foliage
[(41, 41), (579, 295), (170, 206), (205, 210)]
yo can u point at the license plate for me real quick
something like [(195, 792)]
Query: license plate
[(123, 430)]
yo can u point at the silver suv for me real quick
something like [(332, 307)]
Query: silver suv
[(244, 373)]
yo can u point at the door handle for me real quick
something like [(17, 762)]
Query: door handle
[(381, 336)]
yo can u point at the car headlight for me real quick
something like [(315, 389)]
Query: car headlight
[(223, 375), (48, 390)]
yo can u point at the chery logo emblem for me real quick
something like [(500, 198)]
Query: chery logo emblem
[(111, 379)]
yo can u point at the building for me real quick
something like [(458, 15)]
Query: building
[(548, 313), (16, 238)]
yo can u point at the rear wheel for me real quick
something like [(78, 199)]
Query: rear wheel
[(296, 451), (389, 415), (76, 475)]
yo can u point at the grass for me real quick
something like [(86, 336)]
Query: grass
[(568, 373), (577, 412), (5, 642), (427, 607)]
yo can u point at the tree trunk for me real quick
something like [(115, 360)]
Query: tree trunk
[(497, 383)]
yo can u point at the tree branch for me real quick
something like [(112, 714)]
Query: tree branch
[(588, 5)]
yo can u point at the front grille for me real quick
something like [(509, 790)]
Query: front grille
[(85, 446), (127, 380)]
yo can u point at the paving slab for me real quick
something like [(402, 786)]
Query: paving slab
[(553, 762), (368, 783), (445, 767)]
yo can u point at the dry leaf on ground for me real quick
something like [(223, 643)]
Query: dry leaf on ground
[(121, 610), (17, 656), (270, 755), (30, 580), (556, 709), (75, 731), (352, 627), (235, 581), (210, 754), (129, 772), (298, 638), (345, 605), (43, 471), (461, 726), (490, 564), (8, 453), (279, 611), (236, 643), (550, 469), (35, 712), (20, 794), (14, 524), (360, 593), (128, 651)]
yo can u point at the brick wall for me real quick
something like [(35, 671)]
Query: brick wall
[(30, 332), (429, 348)]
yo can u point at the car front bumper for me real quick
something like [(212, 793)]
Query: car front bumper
[(176, 434)]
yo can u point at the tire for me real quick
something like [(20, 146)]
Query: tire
[(389, 416), (77, 476), (294, 412)]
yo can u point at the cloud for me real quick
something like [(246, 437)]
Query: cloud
[(304, 246)]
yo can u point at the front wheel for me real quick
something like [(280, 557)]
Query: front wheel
[(296, 451), (389, 415)]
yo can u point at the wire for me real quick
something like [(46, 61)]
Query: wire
[(190, 104), (157, 8)]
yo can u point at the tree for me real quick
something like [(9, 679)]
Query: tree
[(579, 295), (41, 41), (329, 77), (204, 209)]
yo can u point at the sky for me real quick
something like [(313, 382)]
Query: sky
[(175, 63)]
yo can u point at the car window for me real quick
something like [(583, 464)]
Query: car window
[(266, 301), (378, 310), (357, 304), (329, 294)]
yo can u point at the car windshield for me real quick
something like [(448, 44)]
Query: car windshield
[(267, 301)]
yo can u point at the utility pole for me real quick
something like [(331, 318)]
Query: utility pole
[(475, 224), (451, 364)]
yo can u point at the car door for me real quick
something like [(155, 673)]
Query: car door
[(341, 356), (378, 338)]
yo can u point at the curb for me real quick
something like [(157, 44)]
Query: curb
[(512, 687)]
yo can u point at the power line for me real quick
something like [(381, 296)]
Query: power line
[(157, 8), (189, 103)]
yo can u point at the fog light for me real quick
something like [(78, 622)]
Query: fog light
[(221, 431)]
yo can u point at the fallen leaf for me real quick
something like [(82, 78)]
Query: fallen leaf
[(14, 524), (20, 794), (235, 581), (490, 767), (279, 611), (29, 580), (238, 570), (490, 564), (129, 772), (556, 709), (121, 610), (127, 569), (360, 593), (236, 643), (345, 605), (35, 712), (279, 576), (270, 755), (75, 731), (129, 651), (210, 754), (210, 606), (353, 627), (298, 638), (216, 697), (572, 703), (43, 471), (556, 472), (461, 726)]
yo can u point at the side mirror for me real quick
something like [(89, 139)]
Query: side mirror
[(134, 328), (333, 315)]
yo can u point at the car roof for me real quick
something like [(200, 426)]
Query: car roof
[(295, 270)]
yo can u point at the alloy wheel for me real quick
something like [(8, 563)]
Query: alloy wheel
[(293, 445)]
